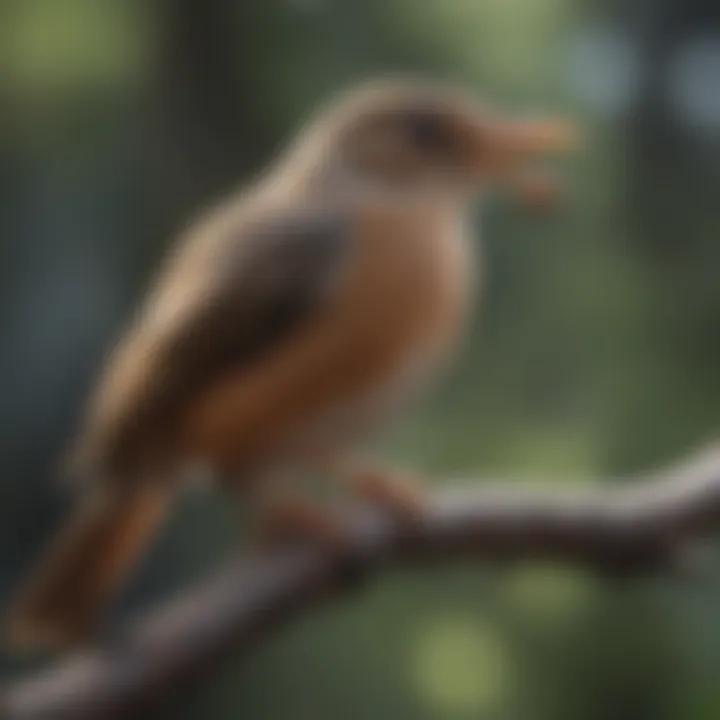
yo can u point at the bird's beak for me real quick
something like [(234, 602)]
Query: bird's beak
[(507, 152)]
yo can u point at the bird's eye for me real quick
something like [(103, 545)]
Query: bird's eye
[(427, 131)]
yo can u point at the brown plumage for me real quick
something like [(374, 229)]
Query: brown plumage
[(286, 323), (97, 548)]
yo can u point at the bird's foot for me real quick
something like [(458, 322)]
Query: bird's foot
[(400, 494), (293, 520)]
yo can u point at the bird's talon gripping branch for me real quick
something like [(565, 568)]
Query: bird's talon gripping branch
[(294, 520), (400, 494)]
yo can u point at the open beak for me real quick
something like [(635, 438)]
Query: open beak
[(512, 150)]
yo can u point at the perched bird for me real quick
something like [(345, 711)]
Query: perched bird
[(284, 325)]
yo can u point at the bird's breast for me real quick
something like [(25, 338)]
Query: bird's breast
[(409, 295), (412, 281)]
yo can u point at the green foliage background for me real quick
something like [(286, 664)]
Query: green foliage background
[(595, 351)]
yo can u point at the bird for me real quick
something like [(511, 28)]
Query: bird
[(284, 327)]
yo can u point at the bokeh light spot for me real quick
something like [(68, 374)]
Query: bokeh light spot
[(550, 596), (49, 45), (693, 89), (462, 666), (603, 69)]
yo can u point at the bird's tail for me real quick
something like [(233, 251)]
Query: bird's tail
[(87, 564)]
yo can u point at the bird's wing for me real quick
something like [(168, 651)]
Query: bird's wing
[(235, 295)]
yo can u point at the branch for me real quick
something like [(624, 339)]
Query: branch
[(620, 530)]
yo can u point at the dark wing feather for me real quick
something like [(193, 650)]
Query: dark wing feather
[(262, 281)]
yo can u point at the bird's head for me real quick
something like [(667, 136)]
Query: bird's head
[(417, 134)]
